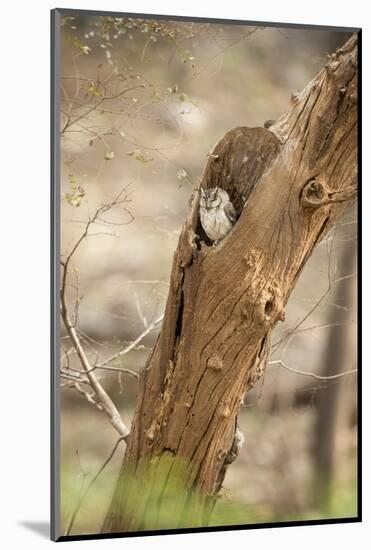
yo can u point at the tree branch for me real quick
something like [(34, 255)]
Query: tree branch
[(311, 374), (132, 345), (102, 399)]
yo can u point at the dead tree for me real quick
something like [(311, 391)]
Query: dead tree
[(289, 184)]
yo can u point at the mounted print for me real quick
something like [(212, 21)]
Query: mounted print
[(204, 286)]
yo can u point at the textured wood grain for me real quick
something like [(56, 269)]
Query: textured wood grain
[(296, 177)]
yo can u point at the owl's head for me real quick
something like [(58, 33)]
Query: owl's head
[(212, 198)]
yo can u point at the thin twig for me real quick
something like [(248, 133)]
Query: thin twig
[(90, 484), (311, 374), (316, 305), (118, 369), (73, 377), (132, 345), (139, 310)]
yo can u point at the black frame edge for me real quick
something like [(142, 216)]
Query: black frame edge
[(303, 523), (54, 276), (359, 277), (67, 11)]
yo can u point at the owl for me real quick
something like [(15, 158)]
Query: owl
[(217, 213)]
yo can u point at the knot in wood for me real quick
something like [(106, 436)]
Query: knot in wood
[(245, 313), (150, 433), (314, 194), (269, 306), (215, 362), (225, 411), (282, 316)]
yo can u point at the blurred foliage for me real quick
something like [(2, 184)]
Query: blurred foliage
[(109, 29), (77, 193), (161, 509)]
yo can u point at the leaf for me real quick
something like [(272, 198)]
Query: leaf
[(137, 155), (74, 199), (72, 180), (93, 89), (109, 155), (82, 47), (77, 193), (181, 174)]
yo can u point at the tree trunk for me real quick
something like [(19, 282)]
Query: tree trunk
[(339, 357), (224, 301)]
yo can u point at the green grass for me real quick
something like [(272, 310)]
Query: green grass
[(226, 511)]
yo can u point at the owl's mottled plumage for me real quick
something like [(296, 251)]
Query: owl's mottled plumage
[(217, 213)]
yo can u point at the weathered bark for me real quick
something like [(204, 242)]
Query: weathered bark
[(224, 300)]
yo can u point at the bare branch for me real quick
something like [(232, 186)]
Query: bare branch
[(139, 310), (312, 309), (146, 282), (118, 369), (71, 122), (102, 400), (102, 397), (106, 367), (118, 200), (133, 344), (89, 396), (311, 374), (73, 377)]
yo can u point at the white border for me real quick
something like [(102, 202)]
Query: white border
[(24, 231)]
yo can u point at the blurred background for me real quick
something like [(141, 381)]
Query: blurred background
[(142, 105)]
